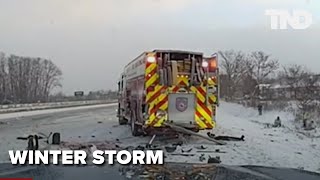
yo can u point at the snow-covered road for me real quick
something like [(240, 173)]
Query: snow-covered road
[(277, 147)]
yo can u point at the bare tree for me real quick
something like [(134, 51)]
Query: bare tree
[(293, 75), (3, 77), (52, 77), (261, 65), (26, 79), (308, 96), (233, 65)]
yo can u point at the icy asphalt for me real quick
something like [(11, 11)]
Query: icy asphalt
[(275, 147)]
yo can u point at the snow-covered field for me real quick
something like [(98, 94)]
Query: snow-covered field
[(277, 147), (281, 147)]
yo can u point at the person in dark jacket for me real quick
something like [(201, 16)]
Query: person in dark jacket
[(277, 122), (260, 109)]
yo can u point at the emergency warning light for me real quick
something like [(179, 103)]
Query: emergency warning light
[(205, 64), (212, 64), (151, 58)]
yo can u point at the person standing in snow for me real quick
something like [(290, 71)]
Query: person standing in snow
[(305, 119), (260, 109)]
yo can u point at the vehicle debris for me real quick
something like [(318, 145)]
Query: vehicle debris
[(214, 160), (202, 158), (170, 149), (172, 171), (201, 147), (32, 141), (101, 145), (151, 141), (211, 151), (189, 150), (186, 131), (140, 148), (225, 138), (180, 143), (55, 138), (180, 154)]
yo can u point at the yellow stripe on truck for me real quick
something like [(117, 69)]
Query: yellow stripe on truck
[(150, 68)]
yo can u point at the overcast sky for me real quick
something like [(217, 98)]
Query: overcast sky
[(91, 40)]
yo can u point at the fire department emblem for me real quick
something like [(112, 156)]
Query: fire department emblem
[(181, 104)]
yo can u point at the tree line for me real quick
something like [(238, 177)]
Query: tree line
[(27, 79), (241, 75)]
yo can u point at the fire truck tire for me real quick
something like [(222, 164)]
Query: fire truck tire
[(134, 127)]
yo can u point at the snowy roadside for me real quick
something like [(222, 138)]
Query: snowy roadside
[(275, 147), (42, 106), (18, 115)]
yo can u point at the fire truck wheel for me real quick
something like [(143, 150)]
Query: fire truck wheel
[(134, 127)]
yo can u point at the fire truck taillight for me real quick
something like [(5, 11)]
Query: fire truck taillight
[(205, 64), (212, 65)]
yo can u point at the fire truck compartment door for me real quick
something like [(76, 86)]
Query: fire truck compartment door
[(181, 108)]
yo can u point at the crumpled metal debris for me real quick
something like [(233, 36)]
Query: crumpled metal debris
[(201, 147), (102, 145), (188, 150), (170, 171), (214, 160), (170, 149), (202, 158), (225, 138)]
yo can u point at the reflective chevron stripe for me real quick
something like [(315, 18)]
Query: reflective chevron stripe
[(157, 99)]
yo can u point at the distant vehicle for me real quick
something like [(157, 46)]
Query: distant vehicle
[(179, 87)]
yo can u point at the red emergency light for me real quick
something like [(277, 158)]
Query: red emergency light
[(212, 64)]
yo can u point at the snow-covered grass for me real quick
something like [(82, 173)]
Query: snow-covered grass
[(284, 147), (275, 147)]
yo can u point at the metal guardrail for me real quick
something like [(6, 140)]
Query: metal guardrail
[(39, 106)]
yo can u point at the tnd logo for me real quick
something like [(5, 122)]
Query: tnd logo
[(281, 19)]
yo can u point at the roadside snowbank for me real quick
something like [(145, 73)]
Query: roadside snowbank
[(282, 147), (49, 111)]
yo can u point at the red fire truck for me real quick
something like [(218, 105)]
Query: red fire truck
[(169, 86)]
